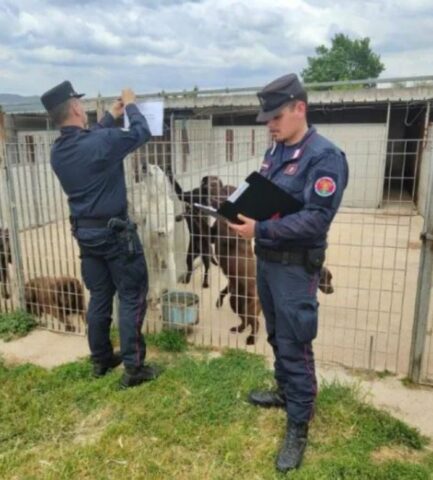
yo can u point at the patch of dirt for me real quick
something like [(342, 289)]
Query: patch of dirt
[(400, 453), (44, 348), (91, 428)]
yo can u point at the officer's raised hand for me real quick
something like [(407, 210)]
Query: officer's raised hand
[(128, 96), (246, 229), (116, 109)]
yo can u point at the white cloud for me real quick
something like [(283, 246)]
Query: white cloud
[(168, 44)]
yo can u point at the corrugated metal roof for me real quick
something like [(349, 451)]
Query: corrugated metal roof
[(404, 89)]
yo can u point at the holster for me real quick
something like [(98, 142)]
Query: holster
[(314, 260)]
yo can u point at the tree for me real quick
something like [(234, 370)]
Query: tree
[(346, 60)]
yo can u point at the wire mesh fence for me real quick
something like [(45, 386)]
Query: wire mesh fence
[(44, 268), (202, 277)]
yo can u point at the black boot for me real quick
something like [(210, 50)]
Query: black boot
[(267, 398), (100, 369), (292, 451), (137, 375)]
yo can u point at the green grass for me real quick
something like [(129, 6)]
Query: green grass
[(15, 324), (192, 423), (168, 340), (165, 341)]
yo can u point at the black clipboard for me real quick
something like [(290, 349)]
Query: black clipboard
[(257, 198)]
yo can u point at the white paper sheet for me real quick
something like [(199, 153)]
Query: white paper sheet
[(238, 192), (154, 113)]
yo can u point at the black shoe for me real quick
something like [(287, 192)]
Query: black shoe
[(267, 398), (100, 369), (137, 375), (291, 453)]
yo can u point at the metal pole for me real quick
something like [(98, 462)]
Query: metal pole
[(99, 107), (14, 229), (422, 302), (388, 120), (172, 146), (426, 124), (31, 162), (386, 140)]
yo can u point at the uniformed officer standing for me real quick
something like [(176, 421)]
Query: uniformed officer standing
[(89, 165), (290, 251)]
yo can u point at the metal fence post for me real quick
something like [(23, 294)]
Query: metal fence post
[(424, 284), (14, 228)]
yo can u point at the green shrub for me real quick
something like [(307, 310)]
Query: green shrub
[(15, 324)]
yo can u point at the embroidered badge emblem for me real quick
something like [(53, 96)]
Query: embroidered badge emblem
[(291, 169), (325, 186)]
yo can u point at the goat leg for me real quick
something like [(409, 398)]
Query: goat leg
[(206, 263), (186, 277), (254, 322), (235, 304), (221, 297), (4, 291)]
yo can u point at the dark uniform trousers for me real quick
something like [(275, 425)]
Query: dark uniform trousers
[(315, 173), (108, 265), (288, 294)]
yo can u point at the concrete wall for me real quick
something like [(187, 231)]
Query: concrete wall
[(365, 148), (364, 145), (209, 151), (39, 198), (203, 150)]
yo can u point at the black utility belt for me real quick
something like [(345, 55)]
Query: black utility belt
[(97, 222), (312, 259)]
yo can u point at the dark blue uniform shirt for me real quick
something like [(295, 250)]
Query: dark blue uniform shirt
[(89, 164), (315, 172)]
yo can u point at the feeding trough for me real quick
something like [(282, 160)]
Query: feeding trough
[(179, 309)]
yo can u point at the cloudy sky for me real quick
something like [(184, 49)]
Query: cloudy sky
[(150, 45)]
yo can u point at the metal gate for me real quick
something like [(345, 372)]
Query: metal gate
[(421, 357), (43, 273), (374, 252)]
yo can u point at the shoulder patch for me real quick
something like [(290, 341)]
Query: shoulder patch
[(325, 187)]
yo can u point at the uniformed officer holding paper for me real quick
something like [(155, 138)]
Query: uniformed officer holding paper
[(290, 252), (89, 165)]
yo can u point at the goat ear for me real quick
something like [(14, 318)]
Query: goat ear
[(204, 181)]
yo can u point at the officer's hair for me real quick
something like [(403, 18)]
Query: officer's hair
[(60, 113)]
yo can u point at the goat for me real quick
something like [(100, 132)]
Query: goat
[(56, 296), (236, 258), (151, 206), (199, 230)]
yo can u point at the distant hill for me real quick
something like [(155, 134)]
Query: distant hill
[(13, 103)]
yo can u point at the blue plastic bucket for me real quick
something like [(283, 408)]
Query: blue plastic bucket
[(179, 309)]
